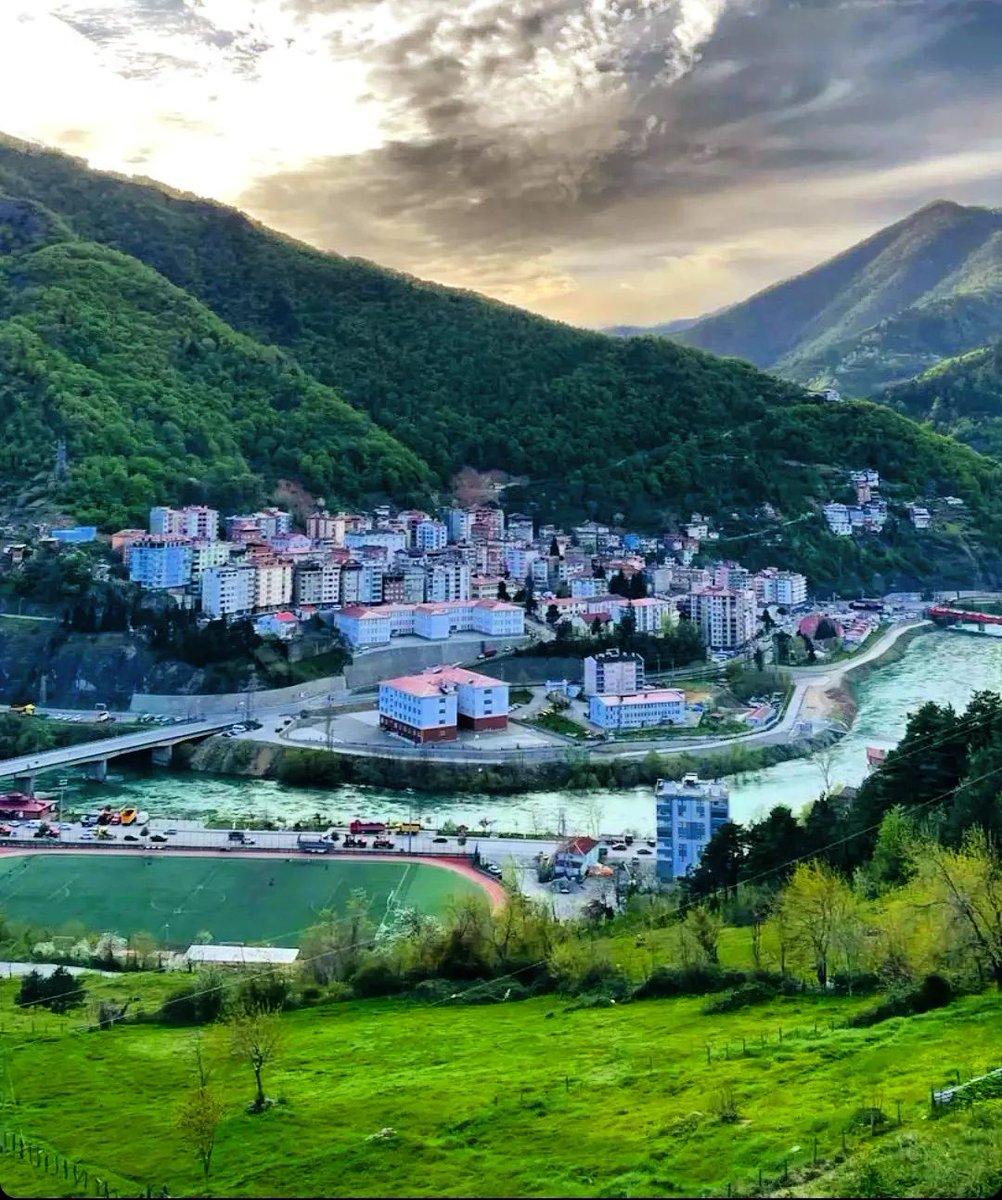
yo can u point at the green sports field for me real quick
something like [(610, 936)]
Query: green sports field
[(175, 897)]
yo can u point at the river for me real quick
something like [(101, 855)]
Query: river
[(942, 666)]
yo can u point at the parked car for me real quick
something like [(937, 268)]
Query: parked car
[(156, 837), (382, 844), (6, 831), (440, 839), (131, 837), (644, 850), (619, 845)]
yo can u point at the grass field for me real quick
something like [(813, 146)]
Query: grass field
[(175, 897), (527, 1099)]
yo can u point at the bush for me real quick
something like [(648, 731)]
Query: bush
[(858, 985), (199, 1002), (495, 991), (265, 993), (666, 982), (432, 990), (376, 978), (740, 997), (933, 992), (60, 992)]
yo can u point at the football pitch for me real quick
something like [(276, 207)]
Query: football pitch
[(176, 897)]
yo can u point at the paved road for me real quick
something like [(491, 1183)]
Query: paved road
[(88, 752)]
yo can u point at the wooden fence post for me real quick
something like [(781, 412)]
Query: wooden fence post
[(781, 1034)]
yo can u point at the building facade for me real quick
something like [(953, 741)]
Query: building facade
[(160, 563), (228, 591), (689, 813), (614, 672), (665, 706), (726, 617)]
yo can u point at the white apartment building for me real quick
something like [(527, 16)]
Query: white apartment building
[(431, 535), (665, 706), (614, 672), (586, 586), (661, 580), (520, 527), (391, 540), (323, 526), (228, 591), (837, 516), (431, 706), (194, 521), (459, 522), (688, 812), (651, 613), (317, 583), (447, 581), (518, 561), (208, 554), (726, 617), (787, 588), (273, 587)]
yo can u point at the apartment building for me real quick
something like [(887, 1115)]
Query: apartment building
[(322, 526), (391, 540), (430, 535), (787, 588), (317, 583), (727, 618), (208, 554), (689, 812), (195, 521), (228, 591), (273, 588), (432, 706), (447, 581), (651, 613), (615, 672), (159, 563), (361, 626)]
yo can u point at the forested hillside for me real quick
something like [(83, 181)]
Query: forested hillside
[(886, 309), (185, 352), (156, 397)]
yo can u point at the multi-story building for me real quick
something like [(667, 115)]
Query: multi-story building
[(432, 706), (160, 562), (273, 587), (447, 581), (661, 580), (229, 591), (362, 626), (614, 672), (485, 587), (430, 535), (123, 541), (208, 554), (418, 708), (665, 706), (651, 613), (459, 522), (685, 579), (920, 517), (517, 562), (787, 588), (195, 521), (487, 524), (268, 523), (75, 535), (322, 526), (726, 617), (391, 540), (730, 575), (837, 516), (317, 583), (585, 586), (689, 813), (520, 527)]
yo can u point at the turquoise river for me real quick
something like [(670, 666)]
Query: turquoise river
[(941, 666)]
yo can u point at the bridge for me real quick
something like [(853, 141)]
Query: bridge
[(941, 613), (95, 755)]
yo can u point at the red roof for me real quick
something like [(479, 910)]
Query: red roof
[(579, 845), (809, 625)]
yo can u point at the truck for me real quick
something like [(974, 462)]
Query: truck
[(314, 845), (358, 826), (407, 827)]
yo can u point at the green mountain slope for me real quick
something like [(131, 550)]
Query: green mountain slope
[(231, 372), (961, 396), (885, 310), (155, 396)]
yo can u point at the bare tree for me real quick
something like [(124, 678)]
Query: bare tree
[(256, 1037), (200, 1116)]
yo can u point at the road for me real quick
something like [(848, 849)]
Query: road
[(88, 752)]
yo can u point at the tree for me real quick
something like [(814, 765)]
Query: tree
[(759, 659), (819, 908), (256, 1037), (552, 615), (627, 629), (503, 590), (716, 876), (825, 630), (199, 1117), (554, 547), (967, 884), (703, 927), (564, 630), (637, 588)]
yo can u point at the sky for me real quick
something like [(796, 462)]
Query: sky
[(599, 161)]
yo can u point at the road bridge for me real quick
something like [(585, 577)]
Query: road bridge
[(95, 755)]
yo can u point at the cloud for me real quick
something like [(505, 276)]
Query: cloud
[(602, 160)]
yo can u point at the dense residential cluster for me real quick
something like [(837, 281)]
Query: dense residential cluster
[(382, 575)]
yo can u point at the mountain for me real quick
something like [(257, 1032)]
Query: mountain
[(669, 327), (184, 351), (885, 310), (961, 396)]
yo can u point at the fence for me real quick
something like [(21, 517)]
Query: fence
[(85, 1182)]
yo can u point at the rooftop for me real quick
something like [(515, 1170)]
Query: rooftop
[(660, 696), (243, 955)]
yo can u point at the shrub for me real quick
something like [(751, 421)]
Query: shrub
[(196, 1003), (740, 997), (264, 993), (376, 978), (933, 992), (665, 982)]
